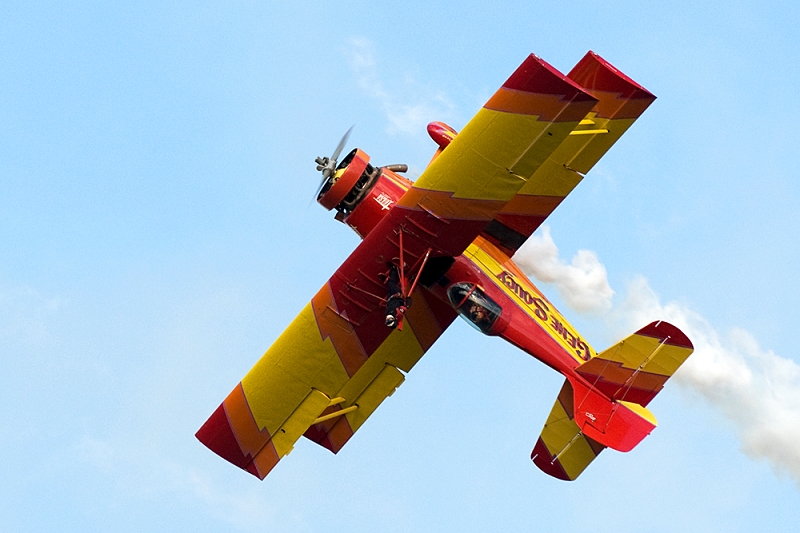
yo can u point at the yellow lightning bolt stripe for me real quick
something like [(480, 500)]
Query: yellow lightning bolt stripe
[(297, 362), (563, 440), (293, 383)]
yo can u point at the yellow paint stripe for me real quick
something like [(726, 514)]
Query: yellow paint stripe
[(643, 412), (561, 436), (298, 361)]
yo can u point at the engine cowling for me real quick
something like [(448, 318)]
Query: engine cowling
[(351, 176), (362, 194), (376, 202)]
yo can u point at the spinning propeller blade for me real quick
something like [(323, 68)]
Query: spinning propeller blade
[(327, 165)]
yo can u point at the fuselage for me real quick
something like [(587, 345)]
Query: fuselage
[(483, 285), (527, 318)]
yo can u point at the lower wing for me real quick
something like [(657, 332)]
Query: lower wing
[(316, 381)]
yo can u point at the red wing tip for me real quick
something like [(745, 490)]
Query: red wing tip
[(217, 435), (251, 467), (542, 459), (595, 73), (535, 75), (667, 332)]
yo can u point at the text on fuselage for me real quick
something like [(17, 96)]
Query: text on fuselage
[(384, 200), (547, 317)]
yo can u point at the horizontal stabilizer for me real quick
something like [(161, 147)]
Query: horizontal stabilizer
[(604, 405), (562, 450), (636, 368)]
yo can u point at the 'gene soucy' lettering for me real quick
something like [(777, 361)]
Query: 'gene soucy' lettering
[(542, 312)]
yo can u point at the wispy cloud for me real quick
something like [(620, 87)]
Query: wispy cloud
[(408, 105), (755, 389), (146, 473)]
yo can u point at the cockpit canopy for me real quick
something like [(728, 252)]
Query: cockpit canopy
[(474, 305)]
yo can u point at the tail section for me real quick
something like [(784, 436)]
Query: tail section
[(604, 404)]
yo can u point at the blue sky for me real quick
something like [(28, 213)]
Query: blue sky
[(156, 168)]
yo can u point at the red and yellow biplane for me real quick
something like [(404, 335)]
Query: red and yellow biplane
[(442, 247)]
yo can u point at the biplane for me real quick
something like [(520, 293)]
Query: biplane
[(443, 247)]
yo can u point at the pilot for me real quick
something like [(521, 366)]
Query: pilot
[(480, 316), (477, 313)]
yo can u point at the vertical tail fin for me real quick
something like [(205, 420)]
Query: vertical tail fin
[(619, 425)]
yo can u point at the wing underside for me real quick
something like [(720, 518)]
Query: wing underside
[(316, 380)]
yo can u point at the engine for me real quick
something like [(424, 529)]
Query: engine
[(361, 193)]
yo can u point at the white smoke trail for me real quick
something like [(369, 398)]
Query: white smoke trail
[(758, 391), (583, 284)]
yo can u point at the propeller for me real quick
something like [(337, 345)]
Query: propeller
[(327, 165)]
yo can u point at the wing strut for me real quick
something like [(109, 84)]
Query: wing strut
[(405, 291), (334, 414)]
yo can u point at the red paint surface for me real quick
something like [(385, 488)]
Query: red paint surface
[(218, 437), (376, 203), (441, 133), (546, 462), (619, 96), (535, 75), (666, 331)]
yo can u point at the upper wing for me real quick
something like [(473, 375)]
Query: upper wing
[(498, 151), (620, 101)]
